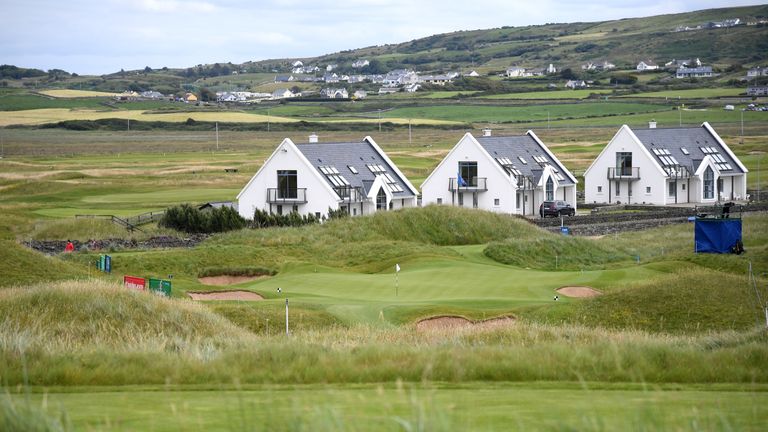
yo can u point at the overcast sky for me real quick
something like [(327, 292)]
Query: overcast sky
[(104, 36)]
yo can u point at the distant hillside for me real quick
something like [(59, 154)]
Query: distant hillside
[(489, 52)]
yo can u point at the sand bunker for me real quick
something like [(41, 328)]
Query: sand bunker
[(578, 291), (227, 280), (456, 322), (226, 295)]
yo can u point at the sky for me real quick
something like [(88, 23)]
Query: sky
[(103, 36)]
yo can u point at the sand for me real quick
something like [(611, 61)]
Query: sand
[(456, 322), (227, 280), (226, 295), (578, 291)]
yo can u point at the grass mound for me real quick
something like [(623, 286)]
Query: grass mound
[(553, 252), (247, 271), (96, 314), (21, 266), (689, 301), (268, 318)]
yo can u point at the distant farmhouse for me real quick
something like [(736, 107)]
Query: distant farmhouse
[(575, 84), (315, 177), (284, 93), (506, 174), (665, 166), (647, 65), (334, 93), (696, 72), (757, 91), (687, 63), (757, 72), (602, 65)]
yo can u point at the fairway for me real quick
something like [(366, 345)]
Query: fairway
[(557, 94), (472, 406)]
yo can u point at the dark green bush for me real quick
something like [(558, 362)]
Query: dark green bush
[(190, 219)]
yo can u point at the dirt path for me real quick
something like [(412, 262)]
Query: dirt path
[(226, 295), (579, 291)]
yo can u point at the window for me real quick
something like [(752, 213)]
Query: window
[(279, 209), (474, 200), (295, 208), (599, 189), (352, 169), (648, 189), (709, 183), (683, 186), (376, 169), (439, 200), (381, 200), (461, 199), (684, 150), (618, 188), (467, 174), (496, 201), (523, 161), (354, 211), (550, 189), (624, 163), (672, 189), (317, 215), (286, 184)]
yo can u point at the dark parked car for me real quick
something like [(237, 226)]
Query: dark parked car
[(556, 208)]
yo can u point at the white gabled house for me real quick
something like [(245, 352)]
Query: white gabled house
[(311, 178), (665, 166), (506, 174), (646, 65)]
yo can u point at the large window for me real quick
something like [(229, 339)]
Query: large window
[(550, 189), (624, 163), (381, 200), (286, 184), (467, 173), (709, 183), (672, 189)]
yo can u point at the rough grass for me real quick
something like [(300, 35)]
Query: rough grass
[(554, 253), (21, 266), (236, 271), (687, 301), (97, 334)]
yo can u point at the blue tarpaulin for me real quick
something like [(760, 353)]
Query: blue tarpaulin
[(716, 235)]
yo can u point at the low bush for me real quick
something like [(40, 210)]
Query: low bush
[(190, 219), (235, 271)]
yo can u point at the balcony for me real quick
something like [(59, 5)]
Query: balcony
[(624, 173), (350, 194), (290, 196), (678, 172), (476, 184)]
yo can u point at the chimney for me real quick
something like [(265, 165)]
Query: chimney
[(313, 138), (652, 124), (487, 132)]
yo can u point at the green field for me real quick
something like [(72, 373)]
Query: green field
[(702, 93), (673, 342), (551, 95), (499, 114), (471, 406)]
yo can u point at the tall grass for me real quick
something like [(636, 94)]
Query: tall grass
[(72, 334)]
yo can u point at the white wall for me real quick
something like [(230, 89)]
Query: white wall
[(650, 174), (254, 195), (500, 185)]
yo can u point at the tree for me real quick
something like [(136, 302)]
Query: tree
[(568, 73), (147, 70), (206, 95)]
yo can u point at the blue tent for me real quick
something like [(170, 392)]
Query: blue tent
[(716, 235)]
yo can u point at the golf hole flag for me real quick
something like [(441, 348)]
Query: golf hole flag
[(397, 268)]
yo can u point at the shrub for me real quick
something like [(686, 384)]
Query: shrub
[(264, 219), (190, 219)]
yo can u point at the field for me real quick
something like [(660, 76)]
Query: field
[(675, 341)]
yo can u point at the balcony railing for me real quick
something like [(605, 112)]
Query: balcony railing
[(678, 172), (292, 196), (475, 184), (624, 173), (350, 194)]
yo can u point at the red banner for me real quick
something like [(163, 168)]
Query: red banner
[(135, 283)]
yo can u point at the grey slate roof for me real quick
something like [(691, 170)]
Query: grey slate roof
[(523, 145), (692, 139), (341, 155)]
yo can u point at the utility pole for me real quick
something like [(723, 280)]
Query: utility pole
[(217, 136), (379, 120), (129, 125)]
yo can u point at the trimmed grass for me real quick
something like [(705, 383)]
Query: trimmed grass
[(428, 406), (701, 93), (550, 95), (501, 114)]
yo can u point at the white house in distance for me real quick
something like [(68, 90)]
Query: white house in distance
[(507, 174), (311, 178), (665, 166), (647, 65)]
